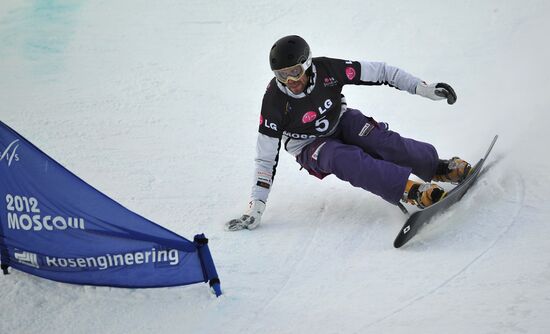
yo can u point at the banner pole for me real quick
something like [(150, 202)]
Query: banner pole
[(207, 263)]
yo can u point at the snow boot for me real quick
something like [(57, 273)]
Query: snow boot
[(422, 194), (454, 170)]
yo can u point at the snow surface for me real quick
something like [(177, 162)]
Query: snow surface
[(156, 103)]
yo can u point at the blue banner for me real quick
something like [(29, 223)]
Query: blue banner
[(55, 225)]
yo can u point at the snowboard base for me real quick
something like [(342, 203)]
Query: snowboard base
[(416, 220)]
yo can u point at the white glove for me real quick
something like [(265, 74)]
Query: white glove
[(437, 91), (250, 219)]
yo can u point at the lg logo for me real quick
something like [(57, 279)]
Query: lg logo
[(267, 124), (323, 124)]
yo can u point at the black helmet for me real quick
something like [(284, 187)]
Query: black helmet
[(289, 51)]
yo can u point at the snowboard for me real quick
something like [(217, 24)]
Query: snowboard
[(416, 220)]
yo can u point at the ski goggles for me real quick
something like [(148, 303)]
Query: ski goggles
[(294, 72)]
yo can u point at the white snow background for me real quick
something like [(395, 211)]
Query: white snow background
[(156, 104)]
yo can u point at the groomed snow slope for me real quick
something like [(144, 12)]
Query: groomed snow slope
[(156, 104)]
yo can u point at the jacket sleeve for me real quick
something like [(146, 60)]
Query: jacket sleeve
[(267, 157), (382, 73)]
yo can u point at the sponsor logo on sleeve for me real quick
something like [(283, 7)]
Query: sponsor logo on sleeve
[(270, 125), (350, 73), (267, 124), (264, 179)]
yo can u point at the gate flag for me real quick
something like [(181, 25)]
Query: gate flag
[(56, 226)]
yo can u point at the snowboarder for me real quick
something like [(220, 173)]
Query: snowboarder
[(304, 110)]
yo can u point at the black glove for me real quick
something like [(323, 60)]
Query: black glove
[(437, 91)]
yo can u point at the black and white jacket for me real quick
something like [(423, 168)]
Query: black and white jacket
[(294, 121)]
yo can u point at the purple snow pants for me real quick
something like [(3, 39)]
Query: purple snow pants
[(368, 156)]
